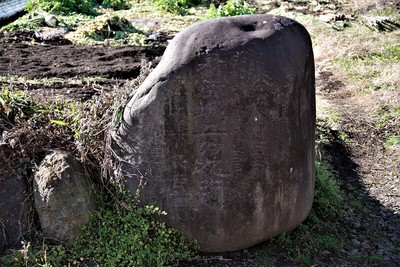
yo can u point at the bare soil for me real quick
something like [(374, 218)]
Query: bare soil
[(23, 55), (368, 168)]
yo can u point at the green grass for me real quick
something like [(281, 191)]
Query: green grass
[(392, 140), (328, 114), (175, 6), (230, 8), (321, 230), (389, 124)]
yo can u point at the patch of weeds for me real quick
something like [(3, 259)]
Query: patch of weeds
[(125, 234), (344, 137), (392, 140), (389, 123), (116, 4), (26, 22), (230, 8), (73, 20), (328, 196), (328, 242), (112, 30), (354, 257), (119, 233), (334, 117), (88, 7), (175, 6), (304, 259), (16, 104), (376, 259), (62, 6), (356, 204), (35, 20), (327, 114)]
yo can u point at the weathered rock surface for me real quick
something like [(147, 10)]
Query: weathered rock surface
[(64, 196), (13, 210), (221, 134)]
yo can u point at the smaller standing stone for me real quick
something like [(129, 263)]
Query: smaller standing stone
[(13, 212), (64, 196)]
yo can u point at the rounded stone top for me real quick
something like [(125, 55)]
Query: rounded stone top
[(218, 34)]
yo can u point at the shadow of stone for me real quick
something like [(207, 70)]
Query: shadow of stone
[(371, 231)]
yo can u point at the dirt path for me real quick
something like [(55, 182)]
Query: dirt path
[(368, 168)]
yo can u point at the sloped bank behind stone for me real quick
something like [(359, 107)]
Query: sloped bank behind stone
[(221, 134)]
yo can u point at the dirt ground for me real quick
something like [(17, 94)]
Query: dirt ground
[(361, 162), (22, 55)]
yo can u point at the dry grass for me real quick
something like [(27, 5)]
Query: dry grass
[(364, 60), (31, 127)]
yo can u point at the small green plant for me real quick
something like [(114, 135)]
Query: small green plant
[(175, 6), (392, 140), (376, 259), (111, 30), (334, 117), (116, 4), (16, 104), (231, 8), (343, 136)]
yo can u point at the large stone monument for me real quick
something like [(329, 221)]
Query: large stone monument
[(221, 134)]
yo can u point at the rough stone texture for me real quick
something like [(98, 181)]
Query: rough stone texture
[(64, 196), (221, 134), (9, 8), (13, 211)]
